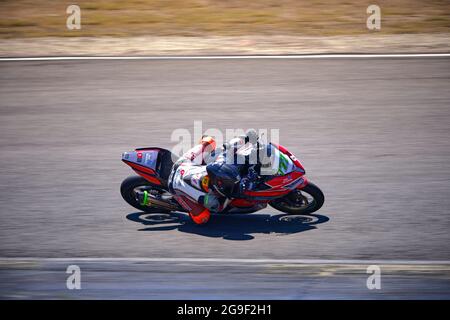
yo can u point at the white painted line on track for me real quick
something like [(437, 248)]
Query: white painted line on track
[(233, 57), (230, 260)]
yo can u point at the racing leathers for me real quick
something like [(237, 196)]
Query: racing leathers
[(189, 182)]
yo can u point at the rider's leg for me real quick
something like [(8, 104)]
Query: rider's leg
[(191, 197)]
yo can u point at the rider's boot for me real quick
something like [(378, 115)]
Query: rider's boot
[(200, 217)]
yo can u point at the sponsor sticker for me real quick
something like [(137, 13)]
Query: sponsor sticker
[(205, 183), (195, 180), (149, 159)]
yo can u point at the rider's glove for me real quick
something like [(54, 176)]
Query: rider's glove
[(244, 185), (252, 174), (247, 182)]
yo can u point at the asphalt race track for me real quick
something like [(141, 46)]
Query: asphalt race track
[(372, 133)]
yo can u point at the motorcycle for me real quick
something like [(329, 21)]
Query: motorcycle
[(288, 191)]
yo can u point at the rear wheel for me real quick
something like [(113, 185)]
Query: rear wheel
[(304, 201), (134, 184)]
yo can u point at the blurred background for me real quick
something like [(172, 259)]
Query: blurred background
[(215, 26)]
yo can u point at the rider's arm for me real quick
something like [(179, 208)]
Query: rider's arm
[(198, 154)]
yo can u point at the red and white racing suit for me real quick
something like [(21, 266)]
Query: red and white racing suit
[(189, 180)]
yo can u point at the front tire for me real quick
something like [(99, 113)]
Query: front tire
[(296, 202), (127, 190)]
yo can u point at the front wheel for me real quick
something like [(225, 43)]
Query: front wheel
[(304, 201)]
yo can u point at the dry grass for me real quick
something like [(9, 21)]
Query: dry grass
[(46, 18)]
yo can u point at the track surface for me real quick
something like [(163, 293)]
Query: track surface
[(372, 133), (224, 279)]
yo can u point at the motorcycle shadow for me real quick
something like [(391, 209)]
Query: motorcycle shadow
[(229, 226)]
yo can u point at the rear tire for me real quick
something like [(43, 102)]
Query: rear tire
[(311, 189), (127, 190)]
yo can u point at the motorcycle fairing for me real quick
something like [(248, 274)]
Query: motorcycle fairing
[(289, 176), (152, 163), (155, 164)]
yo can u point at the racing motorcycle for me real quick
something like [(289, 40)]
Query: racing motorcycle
[(287, 190)]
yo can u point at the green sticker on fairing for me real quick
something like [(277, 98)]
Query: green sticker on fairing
[(283, 164)]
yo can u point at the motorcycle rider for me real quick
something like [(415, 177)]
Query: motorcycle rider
[(195, 184)]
